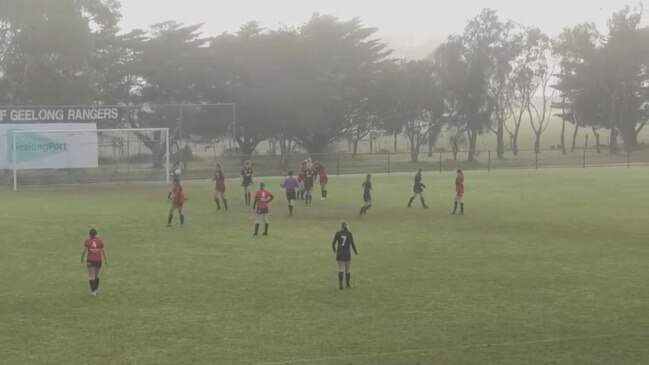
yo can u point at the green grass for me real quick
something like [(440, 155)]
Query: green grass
[(547, 267)]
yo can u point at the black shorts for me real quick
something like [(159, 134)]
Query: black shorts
[(367, 198), (95, 264), (418, 190), (291, 194), (343, 258)]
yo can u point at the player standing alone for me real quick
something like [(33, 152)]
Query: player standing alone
[(367, 194), (290, 184), (418, 190), (246, 181), (344, 240), (177, 197), (93, 247), (262, 198), (322, 174), (219, 192), (459, 192)]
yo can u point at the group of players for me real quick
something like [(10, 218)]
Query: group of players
[(297, 188)]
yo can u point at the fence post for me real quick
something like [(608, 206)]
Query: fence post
[(440, 162), (536, 160), (489, 162), (628, 158), (337, 164), (388, 163), (584, 159)]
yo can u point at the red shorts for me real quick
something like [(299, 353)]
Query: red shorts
[(220, 189)]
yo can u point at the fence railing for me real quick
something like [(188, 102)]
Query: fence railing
[(201, 162)]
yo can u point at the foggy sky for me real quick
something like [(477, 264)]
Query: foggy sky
[(413, 28)]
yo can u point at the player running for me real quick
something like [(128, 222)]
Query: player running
[(322, 174), (263, 197), (343, 240), (290, 185), (418, 190), (219, 191), (309, 182), (246, 181), (93, 251), (367, 194), (301, 176), (177, 198), (459, 192)]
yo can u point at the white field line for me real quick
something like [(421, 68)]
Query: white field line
[(422, 351)]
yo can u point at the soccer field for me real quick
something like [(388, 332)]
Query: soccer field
[(547, 267)]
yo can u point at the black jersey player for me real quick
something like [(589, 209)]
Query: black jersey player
[(418, 190), (342, 245), (367, 195)]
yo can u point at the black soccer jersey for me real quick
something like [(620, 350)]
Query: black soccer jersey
[(342, 244), (419, 186), (367, 189), (246, 174), (309, 179)]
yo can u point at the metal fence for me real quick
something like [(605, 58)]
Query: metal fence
[(198, 162)]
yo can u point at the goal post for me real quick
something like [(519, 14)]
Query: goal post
[(44, 155)]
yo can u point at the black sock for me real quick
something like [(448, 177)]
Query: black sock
[(340, 279), (290, 210), (257, 229), (218, 204), (182, 219), (249, 200), (96, 284), (348, 279), (410, 201), (461, 207), (225, 204), (92, 285), (266, 228), (455, 208), (245, 198), (325, 193), (368, 208), (171, 217), (423, 203)]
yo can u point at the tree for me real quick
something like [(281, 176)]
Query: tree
[(342, 60), (48, 49)]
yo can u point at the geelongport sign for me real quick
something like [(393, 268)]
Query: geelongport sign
[(58, 146)]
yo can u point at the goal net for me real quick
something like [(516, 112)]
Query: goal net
[(39, 156)]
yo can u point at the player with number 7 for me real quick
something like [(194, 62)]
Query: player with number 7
[(343, 240)]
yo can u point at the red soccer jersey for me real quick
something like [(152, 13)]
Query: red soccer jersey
[(322, 174), (262, 196), (94, 246), (220, 181), (179, 196), (459, 184)]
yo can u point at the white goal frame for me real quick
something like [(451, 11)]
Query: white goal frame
[(14, 161)]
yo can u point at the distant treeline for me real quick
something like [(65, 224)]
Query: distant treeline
[(331, 79)]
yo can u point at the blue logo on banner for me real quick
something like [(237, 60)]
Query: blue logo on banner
[(31, 146)]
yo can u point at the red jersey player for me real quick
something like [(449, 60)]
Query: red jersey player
[(459, 192), (262, 198), (219, 192), (322, 175), (177, 197), (93, 251)]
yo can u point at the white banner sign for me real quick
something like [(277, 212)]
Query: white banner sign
[(41, 146)]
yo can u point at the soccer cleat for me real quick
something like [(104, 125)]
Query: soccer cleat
[(341, 288), (349, 286), (255, 234), (94, 293), (265, 234)]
